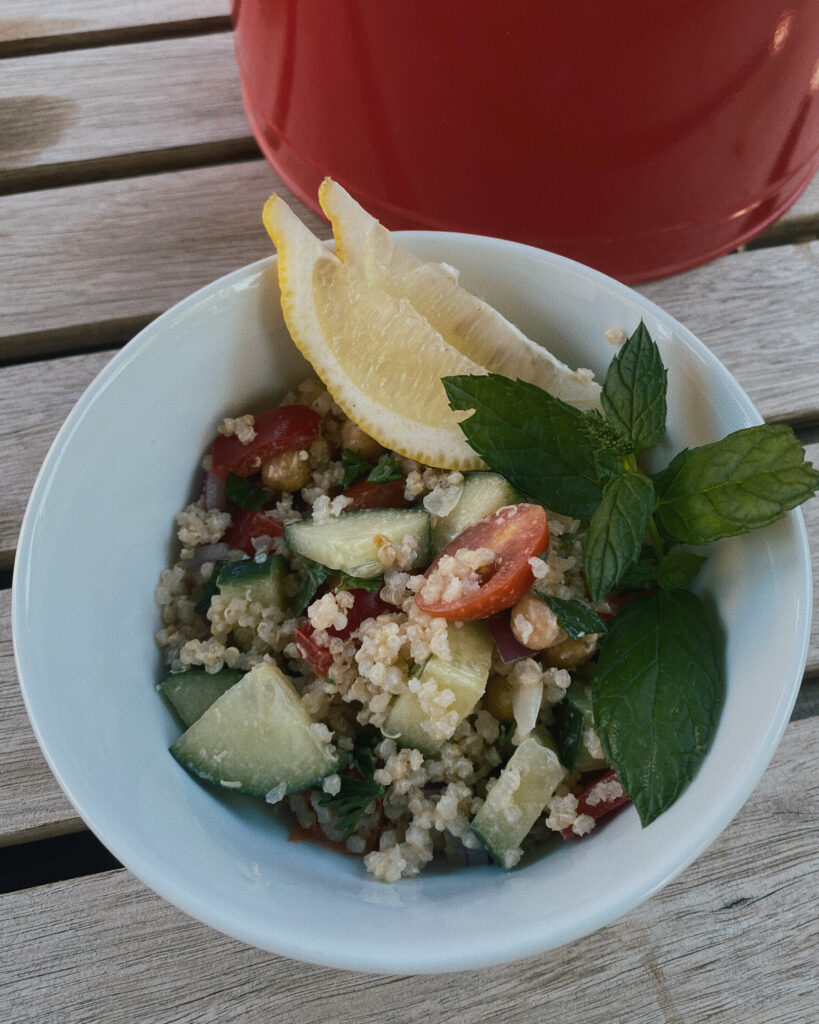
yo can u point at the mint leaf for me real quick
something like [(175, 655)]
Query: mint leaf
[(386, 469), (243, 493), (678, 568), (615, 536), (657, 695), (353, 467), (545, 448), (633, 395), (748, 479), (569, 726), (576, 618)]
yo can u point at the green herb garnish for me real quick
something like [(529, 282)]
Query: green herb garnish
[(243, 493), (657, 690), (387, 468), (312, 576), (358, 790), (575, 618)]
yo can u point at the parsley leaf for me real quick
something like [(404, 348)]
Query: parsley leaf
[(576, 618), (748, 479), (353, 467), (243, 493), (358, 790), (386, 469), (546, 449), (346, 582), (312, 576), (616, 531), (634, 392), (657, 695)]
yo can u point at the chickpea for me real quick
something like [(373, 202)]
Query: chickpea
[(497, 698), (534, 624), (571, 653), (354, 438), (289, 471)]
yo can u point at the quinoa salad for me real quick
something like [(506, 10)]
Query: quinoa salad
[(422, 702)]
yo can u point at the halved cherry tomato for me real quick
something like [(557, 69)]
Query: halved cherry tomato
[(287, 428), (245, 525), (366, 605), (366, 494), (515, 534), (594, 801)]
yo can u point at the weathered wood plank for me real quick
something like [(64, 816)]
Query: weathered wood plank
[(128, 250), (29, 25), (35, 399), (32, 805), (756, 310), (98, 948), (116, 104)]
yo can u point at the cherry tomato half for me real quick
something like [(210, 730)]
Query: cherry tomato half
[(285, 429), (515, 534), (245, 525), (366, 605)]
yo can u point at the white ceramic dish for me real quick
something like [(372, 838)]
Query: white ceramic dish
[(98, 532)]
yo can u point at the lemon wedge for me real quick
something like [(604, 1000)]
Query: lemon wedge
[(466, 322), (379, 358)]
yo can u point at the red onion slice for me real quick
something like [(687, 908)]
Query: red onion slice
[(509, 647), (213, 493)]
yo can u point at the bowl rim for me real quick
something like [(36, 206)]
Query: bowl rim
[(377, 959)]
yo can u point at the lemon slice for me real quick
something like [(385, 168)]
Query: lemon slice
[(466, 322), (378, 357)]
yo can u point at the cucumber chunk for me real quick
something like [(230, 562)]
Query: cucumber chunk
[(257, 737), (510, 810), (191, 693), (483, 493), (351, 541), (573, 719), (465, 676), (259, 580)]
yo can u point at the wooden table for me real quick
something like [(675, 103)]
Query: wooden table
[(128, 178)]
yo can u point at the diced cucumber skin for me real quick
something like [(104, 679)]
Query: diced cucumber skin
[(347, 542), (483, 493), (191, 693), (255, 737), (466, 675), (252, 580), (541, 773), (578, 700)]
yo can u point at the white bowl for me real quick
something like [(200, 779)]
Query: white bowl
[(98, 532)]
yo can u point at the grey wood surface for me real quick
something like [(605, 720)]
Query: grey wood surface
[(128, 178)]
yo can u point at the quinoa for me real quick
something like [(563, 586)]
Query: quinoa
[(417, 803)]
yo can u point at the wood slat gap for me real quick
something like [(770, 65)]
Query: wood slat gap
[(76, 340), (130, 165), (119, 36)]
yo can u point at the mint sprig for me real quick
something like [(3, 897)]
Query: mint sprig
[(656, 691)]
